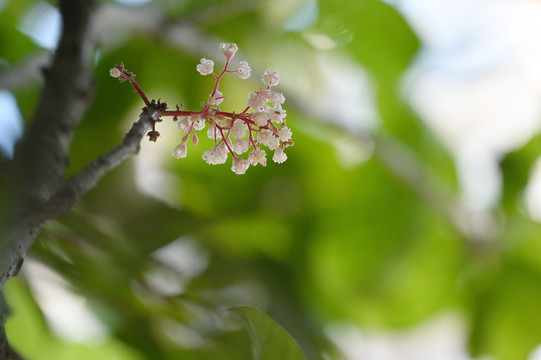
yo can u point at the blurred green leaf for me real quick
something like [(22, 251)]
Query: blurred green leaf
[(516, 168), (313, 241), (269, 340), (14, 45)]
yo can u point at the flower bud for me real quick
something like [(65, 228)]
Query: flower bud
[(229, 50), (114, 72), (185, 138)]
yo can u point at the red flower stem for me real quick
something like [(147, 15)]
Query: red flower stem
[(251, 138), (224, 139), (218, 77), (207, 113), (137, 88), (179, 113)]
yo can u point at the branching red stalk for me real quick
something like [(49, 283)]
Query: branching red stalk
[(136, 87)]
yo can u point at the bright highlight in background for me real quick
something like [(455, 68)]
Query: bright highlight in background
[(42, 23), (11, 123)]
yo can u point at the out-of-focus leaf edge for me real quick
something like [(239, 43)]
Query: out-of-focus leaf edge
[(268, 338)]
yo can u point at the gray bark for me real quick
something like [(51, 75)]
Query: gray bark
[(34, 188)]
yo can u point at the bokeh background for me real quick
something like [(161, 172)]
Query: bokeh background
[(404, 224)]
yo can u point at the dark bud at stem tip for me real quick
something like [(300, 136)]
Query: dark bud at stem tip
[(153, 135)]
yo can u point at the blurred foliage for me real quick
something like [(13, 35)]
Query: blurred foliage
[(309, 242), (269, 340)]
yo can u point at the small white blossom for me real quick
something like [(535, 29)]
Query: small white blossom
[(229, 49), (198, 122), (215, 156), (222, 148), (257, 99), (239, 129), (206, 67), (240, 165), (243, 70), (184, 124), (114, 72), (224, 122), (261, 118), (180, 151), (214, 133), (284, 133), (273, 143), (277, 98), (277, 114), (241, 146), (257, 157), (271, 77), (267, 138), (279, 156), (217, 99)]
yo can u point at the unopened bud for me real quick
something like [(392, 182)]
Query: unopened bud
[(195, 139), (229, 49), (185, 138), (114, 72)]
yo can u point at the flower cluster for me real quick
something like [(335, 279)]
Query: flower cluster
[(261, 123)]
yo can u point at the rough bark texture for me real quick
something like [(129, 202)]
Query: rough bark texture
[(37, 190)]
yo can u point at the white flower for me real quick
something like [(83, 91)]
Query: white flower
[(277, 98), (222, 148), (241, 146), (217, 99), (257, 99), (198, 122), (180, 151), (257, 157), (229, 49), (271, 77), (261, 118), (273, 142), (243, 70), (224, 122), (214, 133), (114, 72), (239, 129), (184, 124), (215, 156), (284, 133), (240, 165), (279, 156), (277, 114), (267, 138), (206, 67)]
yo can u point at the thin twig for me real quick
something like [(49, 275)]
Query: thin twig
[(81, 183)]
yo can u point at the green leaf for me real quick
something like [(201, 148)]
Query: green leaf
[(269, 340)]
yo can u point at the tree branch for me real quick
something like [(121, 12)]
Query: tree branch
[(80, 184), (41, 156), (20, 236)]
